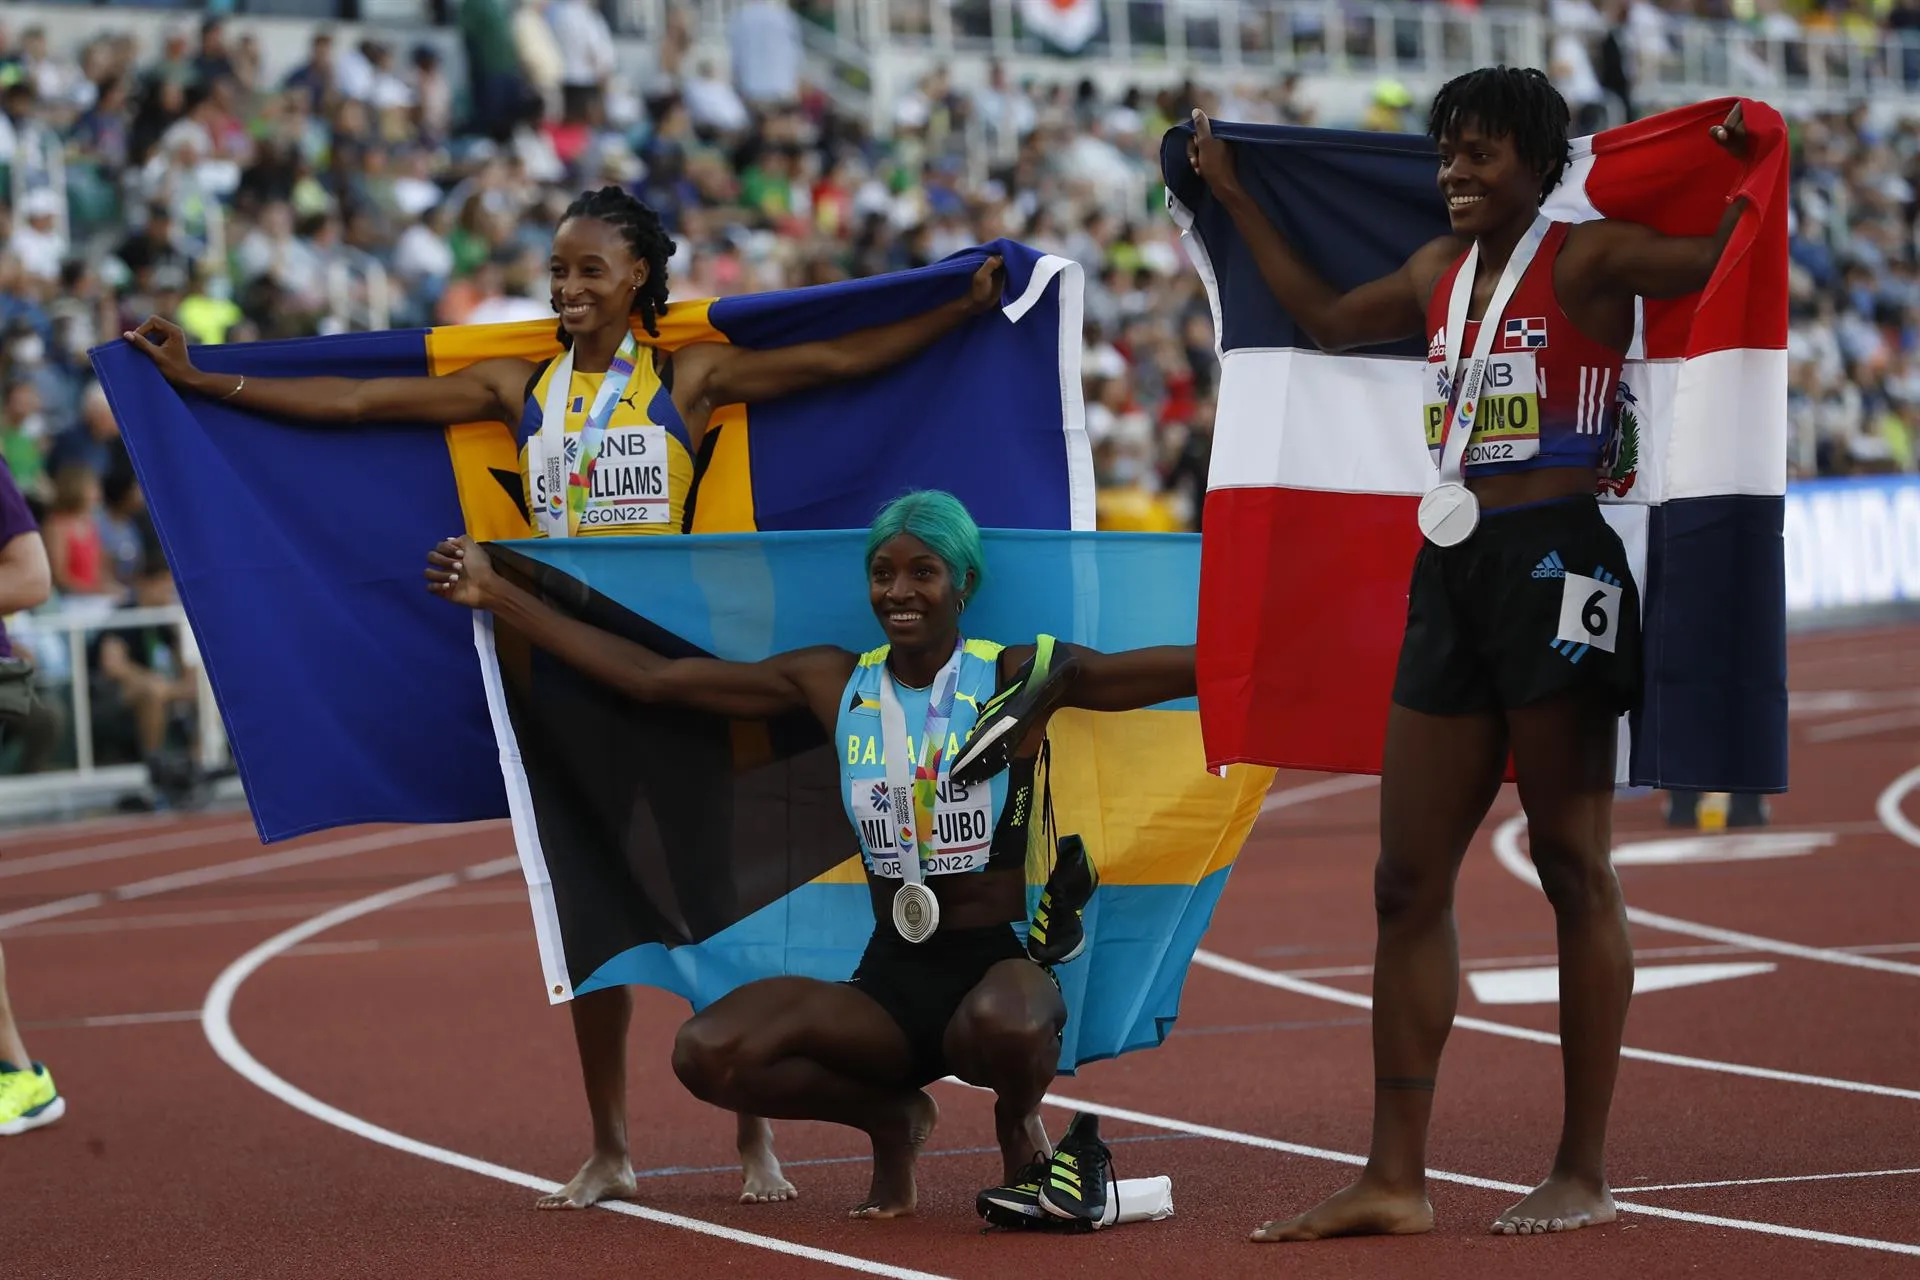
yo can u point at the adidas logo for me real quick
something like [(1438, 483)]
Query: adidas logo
[(1550, 567)]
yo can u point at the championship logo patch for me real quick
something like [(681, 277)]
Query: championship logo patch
[(1525, 333)]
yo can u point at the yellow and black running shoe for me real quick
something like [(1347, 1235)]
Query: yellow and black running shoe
[(1056, 934), (1079, 1183), (1016, 1205), (1037, 688)]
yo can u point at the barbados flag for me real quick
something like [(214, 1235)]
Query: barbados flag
[(696, 852), (1317, 468), (351, 695)]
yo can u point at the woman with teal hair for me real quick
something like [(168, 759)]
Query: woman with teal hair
[(946, 986)]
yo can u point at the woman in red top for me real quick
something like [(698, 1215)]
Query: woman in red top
[(72, 533), (1514, 533)]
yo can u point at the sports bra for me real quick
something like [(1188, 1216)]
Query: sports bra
[(974, 827)]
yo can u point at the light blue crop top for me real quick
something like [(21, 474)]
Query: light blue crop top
[(964, 818)]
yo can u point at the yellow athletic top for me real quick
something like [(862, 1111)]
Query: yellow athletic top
[(644, 472)]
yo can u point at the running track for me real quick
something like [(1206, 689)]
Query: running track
[(201, 999)]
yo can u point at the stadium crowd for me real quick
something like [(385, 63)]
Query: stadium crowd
[(368, 187)]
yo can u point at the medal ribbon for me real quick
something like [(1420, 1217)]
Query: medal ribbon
[(560, 515), (1466, 403), (913, 793)]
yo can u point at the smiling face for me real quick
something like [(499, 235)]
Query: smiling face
[(594, 276), (914, 595), (1484, 181)]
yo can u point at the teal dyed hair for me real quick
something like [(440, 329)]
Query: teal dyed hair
[(941, 521)]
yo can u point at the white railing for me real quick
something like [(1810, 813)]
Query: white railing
[(1421, 44), (59, 643)]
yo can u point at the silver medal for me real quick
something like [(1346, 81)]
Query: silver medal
[(916, 912), (1448, 514)]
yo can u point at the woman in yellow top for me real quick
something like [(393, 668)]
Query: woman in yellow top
[(598, 460)]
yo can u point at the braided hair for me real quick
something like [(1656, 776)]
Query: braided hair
[(1509, 102), (641, 228)]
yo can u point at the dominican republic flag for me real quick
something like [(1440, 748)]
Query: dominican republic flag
[(1318, 465), (1528, 332)]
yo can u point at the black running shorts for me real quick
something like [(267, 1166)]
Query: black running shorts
[(921, 985), (1536, 602)]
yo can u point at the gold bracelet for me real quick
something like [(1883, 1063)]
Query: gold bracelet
[(236, 388)]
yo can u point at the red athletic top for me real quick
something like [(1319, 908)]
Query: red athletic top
[(1564, 415)]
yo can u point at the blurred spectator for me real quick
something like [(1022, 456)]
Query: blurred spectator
[(94, 443), (1387, 109), (37, 242), (72, 533), (763, 39), (586, 57)]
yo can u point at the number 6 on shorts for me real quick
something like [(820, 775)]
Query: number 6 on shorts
[(1590, 611)]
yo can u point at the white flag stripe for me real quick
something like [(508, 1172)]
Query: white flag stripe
[(1351, 424), (1736, 440)]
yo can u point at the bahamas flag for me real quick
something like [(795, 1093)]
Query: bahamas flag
[(695, 852), (351, 695)]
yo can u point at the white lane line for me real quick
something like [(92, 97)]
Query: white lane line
[(122, 922), (1506, 847), (1827, 702), (64, 831), (243, 867), (115, 1020), (1890, 813), (1337, 785), (131, 848), (1864, 726), (1766, 1182), (1468, 1180), (216, 1019), (1639, 953), (1318, 991)]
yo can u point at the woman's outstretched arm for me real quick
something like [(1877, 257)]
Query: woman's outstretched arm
[(461, 571)]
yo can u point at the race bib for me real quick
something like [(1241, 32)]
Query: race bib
[(628, 487), (1590, 611), (962, 827), (1507, 427)]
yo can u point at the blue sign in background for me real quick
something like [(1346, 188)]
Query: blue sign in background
[(1852, 541)]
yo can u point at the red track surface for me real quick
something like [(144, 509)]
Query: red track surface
[(427, 1018)]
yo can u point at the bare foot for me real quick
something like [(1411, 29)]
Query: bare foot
[(761, 1181), (602, 1177), (1561, 1203), (896, 1146), (1363, 1209), (1021, 1140)]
